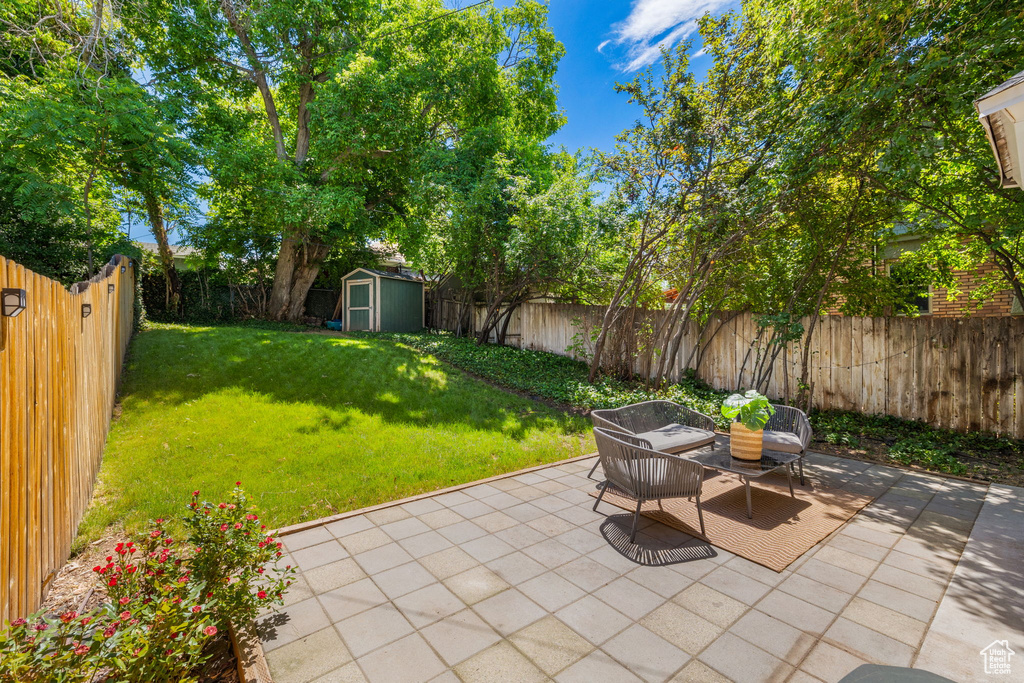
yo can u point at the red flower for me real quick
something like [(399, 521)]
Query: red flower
[(262, 595), (86, 621), (125, 600), (222, 506), (223, 527), (154, 534), (97, 568), (196, 609), (125, 615), (82, 649), (113, 581), (238, 525), (210, 630), (195, 494), (68, 616), (18, 622), (238, 483)]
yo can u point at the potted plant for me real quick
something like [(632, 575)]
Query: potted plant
[(749, 413)]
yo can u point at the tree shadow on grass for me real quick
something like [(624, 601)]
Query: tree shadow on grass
[(342, 377)]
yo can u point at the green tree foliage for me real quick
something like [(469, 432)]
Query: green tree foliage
[(311, 116)]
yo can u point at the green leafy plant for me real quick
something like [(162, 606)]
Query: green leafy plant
[(751, 409), (167, 599)]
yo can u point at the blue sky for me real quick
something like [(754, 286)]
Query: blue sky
[(606, 41)]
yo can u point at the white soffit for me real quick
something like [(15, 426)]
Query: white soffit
[(1001, 112)]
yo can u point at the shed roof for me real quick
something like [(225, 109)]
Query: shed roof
[(387, 274)]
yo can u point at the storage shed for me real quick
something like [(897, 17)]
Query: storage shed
[(379, 301)]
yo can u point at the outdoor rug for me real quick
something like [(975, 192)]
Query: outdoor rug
[(783, 528)]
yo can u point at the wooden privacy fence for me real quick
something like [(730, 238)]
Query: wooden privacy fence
[(58, 377), (959, 373)]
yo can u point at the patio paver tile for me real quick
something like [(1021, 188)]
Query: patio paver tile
[(682, 628), (528, 493), (487, 548), (350, 600), (888, 622), (551, 503), (856, 546), (646, 654), (597, 666), (931, 566), (318, 555), (755, 571), (334, 575), (291, 623), (476, 584), (309, 657), (816, 593), (509, 611), (913, 606), (551, 645), (582, 540), (593, 619), (587, 573), (428, 604), (716, 607), (796, 612), (736, 585), (516, 568), (460, 636), (454, 498), (369, 630), (462, 532), (551, 553), (501, 500), (506, 484), (501, 662), (448, 562), (304, 539), (361, 541), (829, 663), (667, 584), (577, 515), (699, 672), (409, 660), (520, 536), (388, 514), (383, 558), (472, 509), (831, 575), (350, 673), (869, 644), (550, 591), (439, 519), (405, 578), (495, 521), (481, 491), (550, 525), (744, 663), (425, 544), (422, 506), (837, 557), (404, 528), (923, 586), (630, 598), (773, 636), (299, 590), (551, 486)]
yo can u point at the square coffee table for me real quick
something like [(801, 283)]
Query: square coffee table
[(770, 461)]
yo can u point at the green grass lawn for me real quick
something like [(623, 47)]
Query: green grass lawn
[(310, 424)]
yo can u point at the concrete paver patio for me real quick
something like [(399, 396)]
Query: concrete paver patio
[(518, 579)]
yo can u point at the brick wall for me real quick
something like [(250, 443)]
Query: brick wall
[(999, 305)]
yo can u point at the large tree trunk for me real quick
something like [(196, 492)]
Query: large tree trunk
[(298, 264), (172, 290)]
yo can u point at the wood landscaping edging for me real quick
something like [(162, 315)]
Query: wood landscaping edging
[(249, 656)]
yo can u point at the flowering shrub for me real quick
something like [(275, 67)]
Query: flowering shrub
[(235, 557), (167, 599)]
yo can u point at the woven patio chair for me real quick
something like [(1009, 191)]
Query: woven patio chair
[(788, 430), (668, 427), (633, 467)]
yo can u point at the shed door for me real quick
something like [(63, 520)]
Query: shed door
[(360, 305)]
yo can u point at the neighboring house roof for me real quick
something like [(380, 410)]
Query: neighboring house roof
[(178, 251), (389, 254), (1001, 112)]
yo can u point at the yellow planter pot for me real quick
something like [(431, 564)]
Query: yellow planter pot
[(745, 443)]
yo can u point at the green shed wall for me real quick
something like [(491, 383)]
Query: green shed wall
[(401, 305)]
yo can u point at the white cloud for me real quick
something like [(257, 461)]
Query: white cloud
[(653, 24), (699, 53)]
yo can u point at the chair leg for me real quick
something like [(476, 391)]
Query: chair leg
[(604, 487), (700, 516), (636, 518), (801, 461), (592, 469)]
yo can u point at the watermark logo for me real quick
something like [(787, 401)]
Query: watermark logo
[(997, 657)]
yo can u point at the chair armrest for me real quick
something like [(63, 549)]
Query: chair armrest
[(604, 423), (803, 429), (692, 418)]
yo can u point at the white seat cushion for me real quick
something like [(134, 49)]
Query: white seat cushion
[(787, 442), (673, 438)]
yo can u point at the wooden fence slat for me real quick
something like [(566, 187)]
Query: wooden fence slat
[(58, 377)]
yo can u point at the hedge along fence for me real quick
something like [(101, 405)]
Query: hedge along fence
[(965, 374), (59, 372)]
